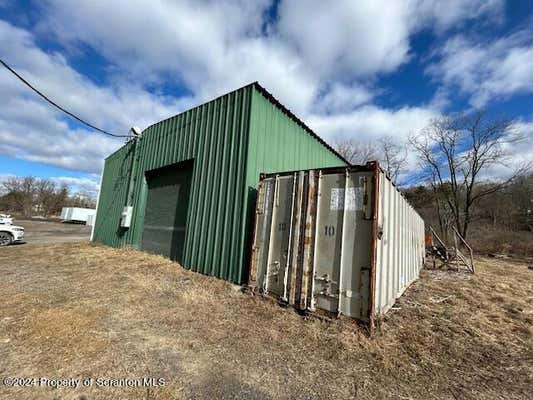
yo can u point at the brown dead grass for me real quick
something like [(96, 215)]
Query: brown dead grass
[(80, 310), (486, 239)]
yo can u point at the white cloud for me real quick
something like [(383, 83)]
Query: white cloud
[(345, 37), (517, 155), (361, 38), (443, 15), (486, 71), (371, 122), (340, 98), (33, 130), (114, 106), (209, 47), (321, 59), (215, 46), (88, 185), (189, 42), (522, 152), (268, 61)]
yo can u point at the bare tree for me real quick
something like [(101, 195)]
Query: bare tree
[(354, 151), (391, 154), (82, 199), (455, 152), (29, 195), (22, 193), (393, 157), (521, 194), (44, 196), (50, 197)]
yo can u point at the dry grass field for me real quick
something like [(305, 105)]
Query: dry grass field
[(77, 310)]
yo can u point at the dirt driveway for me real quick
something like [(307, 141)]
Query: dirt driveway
[(83, 311), (40, 232)]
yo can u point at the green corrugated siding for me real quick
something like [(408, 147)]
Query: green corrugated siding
[(215, 136), (231, 140), (277, 143), (113, 194)]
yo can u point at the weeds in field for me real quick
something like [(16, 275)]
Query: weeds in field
[(87, 310)]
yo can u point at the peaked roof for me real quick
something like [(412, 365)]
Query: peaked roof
[(270, 97), (292, 116)]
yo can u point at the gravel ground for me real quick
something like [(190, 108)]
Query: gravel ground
[(80, 311), (41, 232)]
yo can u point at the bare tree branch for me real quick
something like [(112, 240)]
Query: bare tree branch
[(391, 153), (455, 152), (354, 151), (393, 157)]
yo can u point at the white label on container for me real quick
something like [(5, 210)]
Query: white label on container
[(354, 198), (337, 199)]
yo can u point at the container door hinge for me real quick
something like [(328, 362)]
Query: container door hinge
[(328, 291), (326, 279)]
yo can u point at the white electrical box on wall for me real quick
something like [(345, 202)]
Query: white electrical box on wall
[(125, 217)]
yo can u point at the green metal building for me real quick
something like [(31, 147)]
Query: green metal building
[(189, 182)]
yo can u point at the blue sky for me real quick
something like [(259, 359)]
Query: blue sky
[(361, 69)]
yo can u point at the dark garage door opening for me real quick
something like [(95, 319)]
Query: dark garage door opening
[(166, 210)]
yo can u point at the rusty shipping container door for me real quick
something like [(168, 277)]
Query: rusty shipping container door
[(317, 243), (342, 244)]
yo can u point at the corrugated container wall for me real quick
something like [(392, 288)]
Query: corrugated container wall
[(400, 249), (339, 240), (228, 142)]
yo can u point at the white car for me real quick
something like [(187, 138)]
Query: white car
[(10, 234), (6, 219)]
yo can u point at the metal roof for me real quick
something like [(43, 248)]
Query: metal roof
[(277, 103), (292, 116)]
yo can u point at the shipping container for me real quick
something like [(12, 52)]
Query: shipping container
[(186, 188), (335, 240)]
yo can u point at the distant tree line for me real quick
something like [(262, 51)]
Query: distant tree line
[(33, 196), (508, 209)]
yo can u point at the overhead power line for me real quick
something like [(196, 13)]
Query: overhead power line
[(57, 105)]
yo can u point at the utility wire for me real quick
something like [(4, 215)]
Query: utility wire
[(57, 105)]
